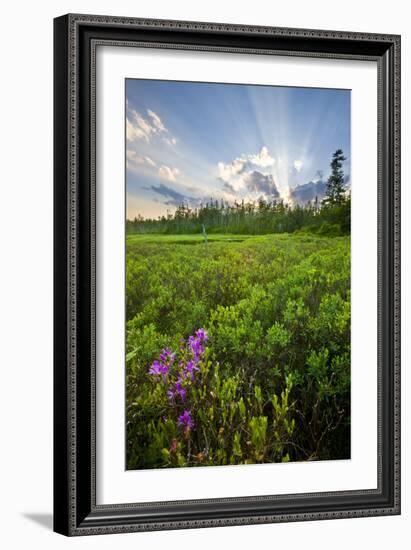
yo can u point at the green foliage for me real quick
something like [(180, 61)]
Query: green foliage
[(274, 382), (256, 218)]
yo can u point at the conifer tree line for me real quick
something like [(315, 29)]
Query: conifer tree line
[(330, 216)]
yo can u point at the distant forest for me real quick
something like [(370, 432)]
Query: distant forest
[(331, 216)]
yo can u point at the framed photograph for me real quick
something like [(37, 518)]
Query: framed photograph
[(227, 277)]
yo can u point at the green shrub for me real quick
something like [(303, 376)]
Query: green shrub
[(274, 381)]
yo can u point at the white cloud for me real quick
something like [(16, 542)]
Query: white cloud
[(243, 172), (150, 161), (231, 173), (139, 127), (262, 159), (134, 132), (168, 173), (252, 176), (298, 164), (134, 160), (157, 121), (170, 141)]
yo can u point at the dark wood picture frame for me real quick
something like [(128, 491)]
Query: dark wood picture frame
[(75, 40)]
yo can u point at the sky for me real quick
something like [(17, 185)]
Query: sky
[(188, 142)]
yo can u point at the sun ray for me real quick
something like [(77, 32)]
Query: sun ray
[(189, 136)]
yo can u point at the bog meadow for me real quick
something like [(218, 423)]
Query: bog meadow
[(238, 326)]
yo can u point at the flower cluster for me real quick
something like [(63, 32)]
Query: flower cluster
[(177, 391), (162, 367), (197, 342), (185, 421), (177, 379)]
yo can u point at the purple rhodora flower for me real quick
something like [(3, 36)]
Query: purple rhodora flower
[(164, 354), (158, 369), (167, 356), (190, 368), (185, 421), (177, 390), (202, 335), (155, 368), (196, 347), (164, 370)]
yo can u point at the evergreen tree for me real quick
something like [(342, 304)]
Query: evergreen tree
[(335, 190)]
